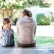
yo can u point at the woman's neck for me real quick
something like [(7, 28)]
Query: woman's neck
[(25, 17)]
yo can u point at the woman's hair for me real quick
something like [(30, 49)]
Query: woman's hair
[(27, 12), (7, 20)]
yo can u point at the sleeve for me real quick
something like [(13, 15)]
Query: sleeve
[(4, 37), (0, 34), (17, 27), (35, 27), (4, 33), (12, 31)]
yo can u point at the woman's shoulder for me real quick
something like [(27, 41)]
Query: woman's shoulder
[(19, 20), (35, 22)]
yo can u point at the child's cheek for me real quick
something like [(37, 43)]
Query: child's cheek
[(5, 27)]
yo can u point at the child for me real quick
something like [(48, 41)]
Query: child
[(7, 34)]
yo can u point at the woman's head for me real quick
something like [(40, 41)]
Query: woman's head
[(26, 12)]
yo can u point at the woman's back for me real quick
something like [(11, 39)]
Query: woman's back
[(26, 28), (26, 31)]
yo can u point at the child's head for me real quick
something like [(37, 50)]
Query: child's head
[(6, 23)]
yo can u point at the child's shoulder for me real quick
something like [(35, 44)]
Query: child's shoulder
[(12, 30)]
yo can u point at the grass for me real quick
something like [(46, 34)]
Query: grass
[(40, 40)]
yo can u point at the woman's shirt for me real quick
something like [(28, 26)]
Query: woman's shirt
[(26, 29)]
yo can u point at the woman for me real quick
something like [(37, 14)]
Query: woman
[(7, 34), (26, 29)]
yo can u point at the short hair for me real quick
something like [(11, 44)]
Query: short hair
[(7, 20)]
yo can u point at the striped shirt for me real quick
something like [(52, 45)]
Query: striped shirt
[(7, 37)]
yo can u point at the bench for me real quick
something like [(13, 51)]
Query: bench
[(35, 50)]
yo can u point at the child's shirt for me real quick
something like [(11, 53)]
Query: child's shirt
[(7, 37)]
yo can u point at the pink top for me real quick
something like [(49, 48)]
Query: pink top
[(26, 29)]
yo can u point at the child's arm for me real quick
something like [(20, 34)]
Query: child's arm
[(12, 33), (0, 35)]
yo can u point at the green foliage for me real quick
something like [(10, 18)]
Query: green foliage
[(15, 21), (43, 20), (20, 4), (40, 3), (26, 3), (52, 20), (14, 6)]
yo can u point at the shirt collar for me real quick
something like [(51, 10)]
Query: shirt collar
[(25, 17)]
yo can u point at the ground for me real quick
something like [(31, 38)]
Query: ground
[(36, 50), (44, 42)]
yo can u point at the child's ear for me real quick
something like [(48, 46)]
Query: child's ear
[(9, 25)]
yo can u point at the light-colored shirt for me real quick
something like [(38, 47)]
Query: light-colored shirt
[(26, 29)]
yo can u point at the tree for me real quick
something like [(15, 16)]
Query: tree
[(40, 3), (9, 7)]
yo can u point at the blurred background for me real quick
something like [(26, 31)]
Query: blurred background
[(42, 11)]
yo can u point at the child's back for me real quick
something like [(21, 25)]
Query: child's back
[(7, 37), (7, 33)]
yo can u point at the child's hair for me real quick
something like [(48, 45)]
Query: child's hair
[(27, 12), (7, 20)]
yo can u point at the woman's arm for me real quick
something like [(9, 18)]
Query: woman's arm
[(35, 24), (35, 31), (17, 28)]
